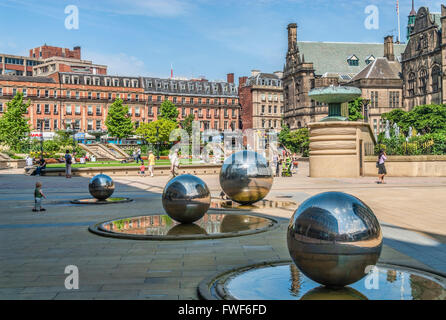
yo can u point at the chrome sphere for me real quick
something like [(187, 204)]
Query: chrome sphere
[(186, 198), (332, 237), (101, 187), (246, 177)]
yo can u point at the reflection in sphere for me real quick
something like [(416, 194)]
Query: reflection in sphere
[(332, 237), (186, 198), (246, 177), (189, 229), (101, 186), (324, 293), (232, 222)]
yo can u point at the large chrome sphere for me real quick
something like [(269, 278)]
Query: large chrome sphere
[(186, 198), (101, 186), (332, 237), (246, 177)]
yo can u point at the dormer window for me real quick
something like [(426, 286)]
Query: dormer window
[(353, 61), (370, 59)]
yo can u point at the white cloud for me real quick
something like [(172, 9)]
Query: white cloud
[(153, 8), (118, 63)]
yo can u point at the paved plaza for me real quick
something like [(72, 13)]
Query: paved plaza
[(36, 248)]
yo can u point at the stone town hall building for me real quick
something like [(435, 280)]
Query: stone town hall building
[(398, 76)]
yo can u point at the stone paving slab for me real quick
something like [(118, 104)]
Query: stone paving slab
[(35, 249)]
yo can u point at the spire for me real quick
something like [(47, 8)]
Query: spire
[(413, 12)]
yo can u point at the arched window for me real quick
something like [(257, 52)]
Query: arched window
[(411, 84), (436, 79), (423, 81), (299, 125)]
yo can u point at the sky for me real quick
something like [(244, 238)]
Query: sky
[(197, 37)]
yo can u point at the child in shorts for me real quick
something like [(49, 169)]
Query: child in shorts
[(38, 194), (142, 169)]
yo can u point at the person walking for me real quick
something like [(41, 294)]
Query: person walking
[(38, 194), (382, 157), (174, 162), (138, 155), (151, 162), (68, 161)]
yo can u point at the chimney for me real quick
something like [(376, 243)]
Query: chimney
[(292, 36), (77, 51), (230, 77), (255, 73), (389, 52), (242, 81), (279, 74)]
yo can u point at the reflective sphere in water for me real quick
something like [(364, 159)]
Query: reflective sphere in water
[(186, 198), (332, 237), (101, 186), (246, 177)]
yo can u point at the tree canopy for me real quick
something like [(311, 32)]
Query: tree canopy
[(118, 122), (355, 109), (14, 127), (148, 130), (297, 140), (186, 124), (168, 111), (424, 119)]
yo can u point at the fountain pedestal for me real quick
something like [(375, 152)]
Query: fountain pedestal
[(336, 144)]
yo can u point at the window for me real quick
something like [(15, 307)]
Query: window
[(216, 124), (38, 110), (77, 124), (90, 110), (89, 95), (263, 109), (263, 97), (55, 94), (46, 124), (436, 80), (269, 109), (233, 113), (98, 124), (47, 109), (411, 84), (25, 92), (174, 99), (137, 113), (109, 96), (90, 125), (1, 107), (68, 94), (394, 99), (158, 98), (68, 109), (191, 100), (1, 91), (55, 124), (199, 100), (423, 81), (137, 97), (77, 110), (129, 96), (226, 113), (275, 109), (47, 94), (55, 111), (374, 99), (77, 95), (98, 111), (14, 91), (353, 61)]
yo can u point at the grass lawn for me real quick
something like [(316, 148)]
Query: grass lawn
[(113, 164)]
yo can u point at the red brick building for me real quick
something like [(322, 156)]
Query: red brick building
[(65, 98)]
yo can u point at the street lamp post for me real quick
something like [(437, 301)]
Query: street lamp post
[(41, 138), (157, 143)]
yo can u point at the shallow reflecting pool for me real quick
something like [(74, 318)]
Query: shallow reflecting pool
[(286, 282), (211, 225), (262, 204), (97, 201)]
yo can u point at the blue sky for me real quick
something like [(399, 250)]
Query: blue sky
[(199, 37)]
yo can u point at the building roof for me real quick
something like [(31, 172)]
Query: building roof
[(264, 79), (189, 87), (436, 18), (331, 57), (26, 79), (381, 68)]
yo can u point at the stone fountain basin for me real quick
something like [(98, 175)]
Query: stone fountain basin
[(335, 94)]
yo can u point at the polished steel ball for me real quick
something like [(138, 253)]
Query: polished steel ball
[(186, 198), (101, 187), (333, 237), (246, 177)]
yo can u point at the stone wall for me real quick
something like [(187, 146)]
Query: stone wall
[(134, 171), (409, 166)]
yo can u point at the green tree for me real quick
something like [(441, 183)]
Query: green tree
[(355, 110), (118, 122), (148, 130), (168, 111), (186, 124), (296, 141), (14, 127)]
